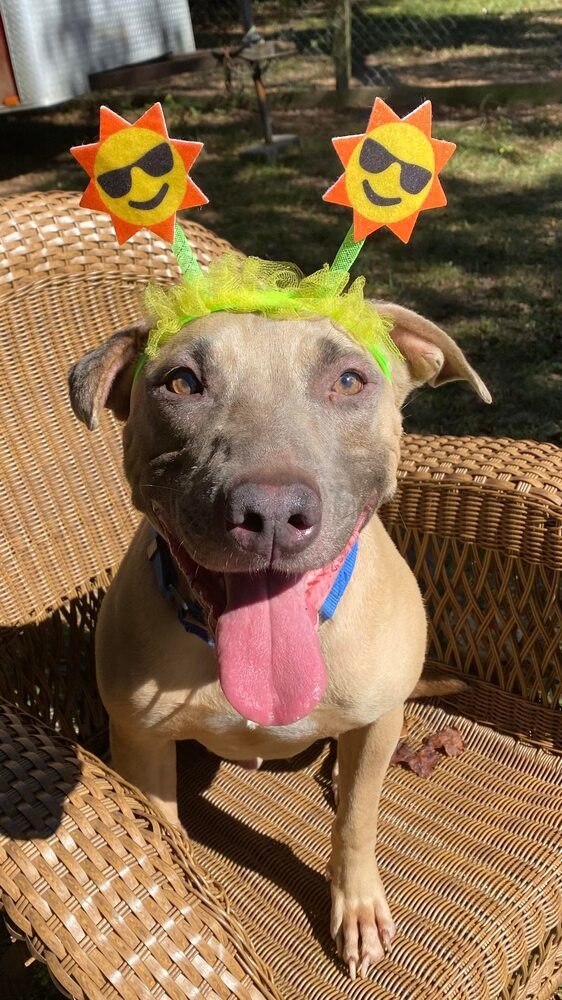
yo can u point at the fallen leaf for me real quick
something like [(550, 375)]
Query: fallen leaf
[(449, 740), (425, 761), (402, 753), (422, 762)]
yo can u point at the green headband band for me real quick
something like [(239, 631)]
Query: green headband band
[(277, 290)]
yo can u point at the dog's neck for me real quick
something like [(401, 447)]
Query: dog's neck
[(195, 614)]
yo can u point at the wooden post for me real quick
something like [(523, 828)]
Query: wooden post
[(341, 49)]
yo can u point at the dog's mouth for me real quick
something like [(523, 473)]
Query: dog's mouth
[(270, 663)]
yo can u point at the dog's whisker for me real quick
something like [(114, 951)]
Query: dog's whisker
[(159, 486)]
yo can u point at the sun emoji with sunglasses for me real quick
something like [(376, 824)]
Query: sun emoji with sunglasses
[(390, 171), (138, 174)]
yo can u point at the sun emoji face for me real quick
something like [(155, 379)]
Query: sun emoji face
[(390, 171), (138, 174), (147, 189)]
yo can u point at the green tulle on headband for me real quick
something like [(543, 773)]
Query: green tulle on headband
[(280, 291)]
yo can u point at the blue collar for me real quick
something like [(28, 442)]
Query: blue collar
[(190, 613)]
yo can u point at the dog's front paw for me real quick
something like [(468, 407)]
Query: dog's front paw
[(361, 924)]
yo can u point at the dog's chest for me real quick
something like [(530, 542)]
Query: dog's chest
[(230, 736), (187, 702)]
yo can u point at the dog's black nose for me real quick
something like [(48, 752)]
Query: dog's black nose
[(273, 517)]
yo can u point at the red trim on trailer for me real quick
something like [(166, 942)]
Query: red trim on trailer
[(8, 89)]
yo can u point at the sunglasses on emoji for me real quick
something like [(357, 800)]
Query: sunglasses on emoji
[(157, 162), (374, 158)]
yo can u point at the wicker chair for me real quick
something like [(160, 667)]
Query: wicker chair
[(121, 906)]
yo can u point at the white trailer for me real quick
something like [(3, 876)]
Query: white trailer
[(53, 50)]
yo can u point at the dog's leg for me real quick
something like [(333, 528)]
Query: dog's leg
[(361, 924), (151, 766)]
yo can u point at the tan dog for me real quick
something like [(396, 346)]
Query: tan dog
[(260, 449)]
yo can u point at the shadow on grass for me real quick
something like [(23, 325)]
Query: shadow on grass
[(374, 30), (536, 35), (520, 30), (30, 139)]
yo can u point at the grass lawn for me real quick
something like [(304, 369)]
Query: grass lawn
[(444, 8)]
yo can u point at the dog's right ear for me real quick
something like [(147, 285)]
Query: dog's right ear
[(104, 376)]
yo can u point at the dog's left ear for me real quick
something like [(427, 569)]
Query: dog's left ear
[(431, 355), (104, 376)]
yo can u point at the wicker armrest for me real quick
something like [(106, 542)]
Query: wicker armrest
[(480, 522), (500, 493), (102, 889)]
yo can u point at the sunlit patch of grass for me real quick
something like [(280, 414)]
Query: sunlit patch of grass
[(444, 8)]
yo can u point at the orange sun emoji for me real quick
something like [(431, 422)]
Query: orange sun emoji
[(138, 174), (390, 171)]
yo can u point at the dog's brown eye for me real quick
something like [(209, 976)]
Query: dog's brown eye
[(184, 382), (348, 384)]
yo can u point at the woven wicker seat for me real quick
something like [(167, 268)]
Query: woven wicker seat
[(115, 902)]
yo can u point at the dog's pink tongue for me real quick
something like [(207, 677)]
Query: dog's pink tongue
[(270, 664)]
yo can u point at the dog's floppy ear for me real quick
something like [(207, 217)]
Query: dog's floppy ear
[(104, 376), (431, 355)]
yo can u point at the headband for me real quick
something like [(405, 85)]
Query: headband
[(140, 176)]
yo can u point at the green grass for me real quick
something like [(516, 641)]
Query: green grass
[(444, 8), (268, 10)]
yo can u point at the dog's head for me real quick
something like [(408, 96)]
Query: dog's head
[(262, 443)]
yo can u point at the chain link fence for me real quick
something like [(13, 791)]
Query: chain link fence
[(414, 42)]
